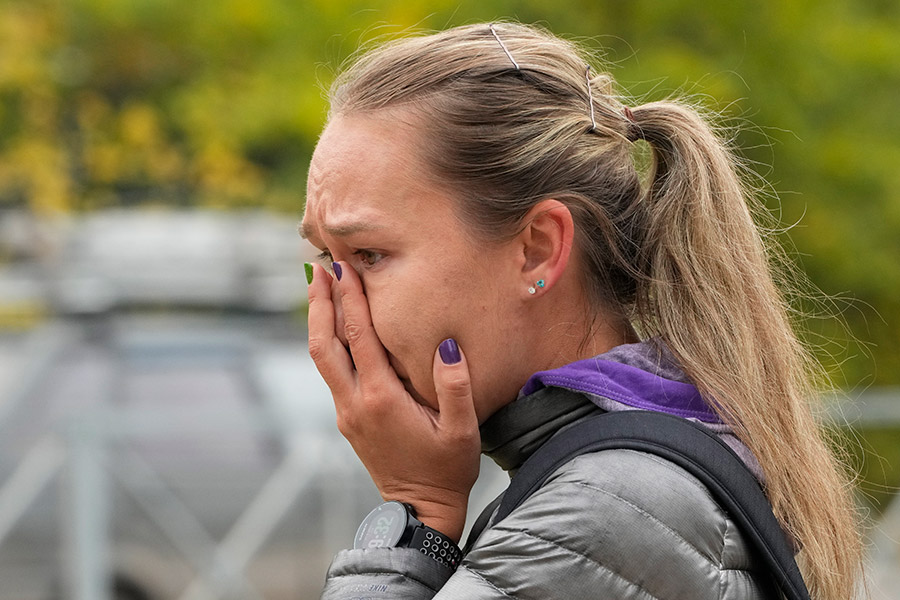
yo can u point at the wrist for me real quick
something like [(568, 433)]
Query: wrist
[(448, 519)]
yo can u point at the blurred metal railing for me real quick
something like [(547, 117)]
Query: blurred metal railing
[(101, 454), (39, 466), (91, 458)]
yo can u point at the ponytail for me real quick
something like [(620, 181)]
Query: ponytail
[(708, 293)]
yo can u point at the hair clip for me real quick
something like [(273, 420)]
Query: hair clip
[(502, 45), (587, 76)]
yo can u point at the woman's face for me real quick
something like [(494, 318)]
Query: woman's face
[(426, 279)]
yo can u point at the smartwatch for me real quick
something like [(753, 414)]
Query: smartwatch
[(394, 525)]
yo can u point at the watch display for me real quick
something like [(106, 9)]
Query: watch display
[(394, 525), (383, 528)]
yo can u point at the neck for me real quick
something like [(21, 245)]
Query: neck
[(554, 329), (567, 331)]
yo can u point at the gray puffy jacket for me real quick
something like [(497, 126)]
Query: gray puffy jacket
[(612, 524)]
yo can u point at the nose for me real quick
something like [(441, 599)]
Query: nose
[(339, 329)]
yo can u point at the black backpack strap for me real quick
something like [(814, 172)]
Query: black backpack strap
[(689, 445), (482, 522)]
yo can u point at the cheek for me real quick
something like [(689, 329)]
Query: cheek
[(398, 323), (411, 320), (388, 323)]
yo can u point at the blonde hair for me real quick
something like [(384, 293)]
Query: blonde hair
[(680, 257)]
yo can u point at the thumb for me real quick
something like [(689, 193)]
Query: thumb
[(453, 386)]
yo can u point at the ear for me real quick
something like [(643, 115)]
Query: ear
[(546, 244)]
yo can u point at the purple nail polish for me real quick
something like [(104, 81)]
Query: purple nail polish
[(336, 267), (449, 351)]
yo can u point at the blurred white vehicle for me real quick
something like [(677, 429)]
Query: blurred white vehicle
[(247, 260)]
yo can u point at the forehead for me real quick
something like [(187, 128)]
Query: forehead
[(354, 144), (367, 169)]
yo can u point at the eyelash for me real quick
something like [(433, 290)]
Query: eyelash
[(365, 255), (326, 258)]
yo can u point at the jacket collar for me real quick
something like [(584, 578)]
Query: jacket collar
[(511, 434), (633, 376)]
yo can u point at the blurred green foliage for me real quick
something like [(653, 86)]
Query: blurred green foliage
[(875, 455), (218, 104)]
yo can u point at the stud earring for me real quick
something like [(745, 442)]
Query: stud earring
[(539, 283)]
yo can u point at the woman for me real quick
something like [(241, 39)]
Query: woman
[(501, 272)]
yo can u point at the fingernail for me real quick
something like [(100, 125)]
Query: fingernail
[(309, 272), (336, 267), (449, 351)]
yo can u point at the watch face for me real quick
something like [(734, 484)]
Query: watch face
[(383, 527)]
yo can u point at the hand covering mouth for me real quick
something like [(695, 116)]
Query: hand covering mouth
[(413, 392), (407, 383)]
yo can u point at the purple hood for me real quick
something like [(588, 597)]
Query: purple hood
[(643, 376), (606, 377)]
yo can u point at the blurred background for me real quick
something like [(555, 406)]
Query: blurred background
[(163, 433)]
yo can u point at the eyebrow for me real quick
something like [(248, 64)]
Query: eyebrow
[(339, 230), (305, 230)]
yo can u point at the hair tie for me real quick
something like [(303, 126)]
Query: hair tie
[(634, 132)]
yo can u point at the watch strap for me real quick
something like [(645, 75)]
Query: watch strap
[(435, 544)]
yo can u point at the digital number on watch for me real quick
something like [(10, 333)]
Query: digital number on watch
[(383, 527)]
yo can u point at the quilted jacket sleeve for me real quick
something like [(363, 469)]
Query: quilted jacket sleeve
[(613, 524)]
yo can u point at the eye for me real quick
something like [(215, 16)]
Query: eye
[(368, 257), (325, 258)]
